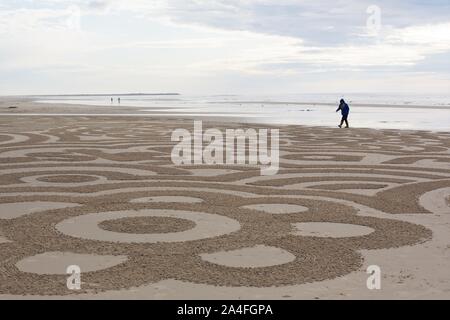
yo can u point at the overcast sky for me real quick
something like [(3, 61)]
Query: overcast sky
[(224, 46)]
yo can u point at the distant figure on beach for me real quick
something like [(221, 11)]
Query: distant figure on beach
[(118, 100), (345, 110), (112, 100)]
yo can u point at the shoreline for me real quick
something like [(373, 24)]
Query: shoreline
[(28, 107)]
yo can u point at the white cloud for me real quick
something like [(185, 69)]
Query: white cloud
[(435, 35), (398, 48), (174, 38)]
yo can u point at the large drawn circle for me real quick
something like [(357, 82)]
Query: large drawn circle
[(207, 226)]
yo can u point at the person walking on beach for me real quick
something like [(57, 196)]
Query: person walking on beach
[(119, 100), (345, 110)]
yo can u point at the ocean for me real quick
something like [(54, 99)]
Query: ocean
[(367, 110)]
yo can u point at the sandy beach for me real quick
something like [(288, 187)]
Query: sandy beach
[(102, 192)]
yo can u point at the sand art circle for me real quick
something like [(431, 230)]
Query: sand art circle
[(167, 199), (305, 157), (322, 157), (211, 172), (141, 225), (13, 138), (238, 231), (330, 230), (57, 262), (207, 226), (72, 180), (277, 208), (255, 257), (68, 178)]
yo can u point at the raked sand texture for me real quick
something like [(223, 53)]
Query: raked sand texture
[(102, 192)]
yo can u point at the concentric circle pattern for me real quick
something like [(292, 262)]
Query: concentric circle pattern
[(207, 226), (103, 192)]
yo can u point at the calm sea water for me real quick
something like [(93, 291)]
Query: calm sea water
[(407, 112)]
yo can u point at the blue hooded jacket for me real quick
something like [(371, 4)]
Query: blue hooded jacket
[(345, 109)]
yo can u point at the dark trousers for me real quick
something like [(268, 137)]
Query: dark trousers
[(344, 119)]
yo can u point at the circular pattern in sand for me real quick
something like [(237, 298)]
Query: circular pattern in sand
[(142, 225), (330, 230), (57, 262), (322, 157), (137, 152), (13, 138), (318, 157), (256, 257), (167, 199), (70, 180), (207, 226), (67, 178), (211, 172), (277, 208)]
